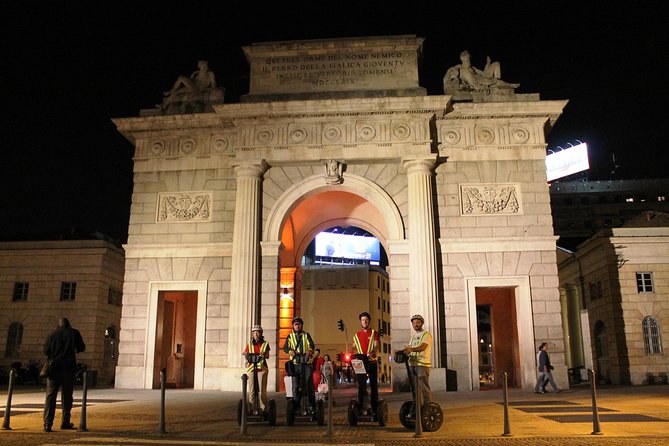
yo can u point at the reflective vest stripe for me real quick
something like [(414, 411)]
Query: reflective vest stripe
[(263, 349), (358, 346), (415, 358), (293, 343)]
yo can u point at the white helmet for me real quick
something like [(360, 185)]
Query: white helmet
[(257, 328)]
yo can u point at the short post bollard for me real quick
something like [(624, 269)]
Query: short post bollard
[(595, 411), (8, 406), (507, 427), (84, 397), (245, 380), (161, 428), (328, 378), (418, 403)]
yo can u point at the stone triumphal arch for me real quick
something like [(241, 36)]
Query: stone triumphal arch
[(339, 133)]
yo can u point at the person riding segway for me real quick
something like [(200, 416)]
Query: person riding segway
[(416, 357), (303, 405), (365, 364), (256, 353)]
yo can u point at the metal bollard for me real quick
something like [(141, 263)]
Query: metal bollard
[(418, 403), (595, 411), (328, 377), (507, 427), (8, 406), (161, 428), (245, 380), (84, 397)]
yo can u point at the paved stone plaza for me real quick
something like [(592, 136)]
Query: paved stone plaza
[(628, 415)]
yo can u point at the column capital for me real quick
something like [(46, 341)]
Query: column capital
[(251, 169), (423, 164)]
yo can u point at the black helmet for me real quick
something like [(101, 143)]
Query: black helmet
[(298, 319), (364, 313)]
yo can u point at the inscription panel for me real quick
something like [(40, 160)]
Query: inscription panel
[(337, 65)]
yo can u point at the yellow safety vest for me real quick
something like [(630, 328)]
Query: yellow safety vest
[(295, 344), (263, 349), (415, 358), (370, 344)]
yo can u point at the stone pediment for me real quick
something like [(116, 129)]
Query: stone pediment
[(334, 68)]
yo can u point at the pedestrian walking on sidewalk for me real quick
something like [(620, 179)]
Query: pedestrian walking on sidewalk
[(544, 368)]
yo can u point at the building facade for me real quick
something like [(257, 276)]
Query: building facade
[(615, 292), (338, 133), (42, 281), (582, 208)]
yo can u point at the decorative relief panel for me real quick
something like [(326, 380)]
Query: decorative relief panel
[(184, 207), (157, 148), (490, 199), (333, 132), (485, 135), (366, 131), (400, 130), (519, 135), (187, 145), (264, 135), (222, 144)]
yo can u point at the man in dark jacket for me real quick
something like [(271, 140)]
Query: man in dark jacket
[(61, 348)]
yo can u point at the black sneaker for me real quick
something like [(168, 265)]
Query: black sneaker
[(66, 426), (47, 429)]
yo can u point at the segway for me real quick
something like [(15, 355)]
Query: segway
[(430, 413), (357, 413), (303, 411), (254, 414)]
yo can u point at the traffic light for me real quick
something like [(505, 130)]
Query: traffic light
[(339, 357), (347, 357), (340, 324)]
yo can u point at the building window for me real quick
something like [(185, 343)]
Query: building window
[(644, 282), (20, 291), (14, 340), (595, 290), (378, 282), (114, 296), (651, 336), (68, 290), (661, 198)]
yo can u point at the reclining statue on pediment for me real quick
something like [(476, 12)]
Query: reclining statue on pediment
[(465, 78), (194, 92)]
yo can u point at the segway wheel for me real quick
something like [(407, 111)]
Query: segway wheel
[(407, 416), (240, 406), (431, 417), (382, 413), (271, 413), (320, 412), (290, 413), (353, 413)]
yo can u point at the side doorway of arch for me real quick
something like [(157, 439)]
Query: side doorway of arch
[(497, 335)]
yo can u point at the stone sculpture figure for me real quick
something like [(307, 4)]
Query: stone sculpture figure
[(200, 88), (466, 78), (333, 171)]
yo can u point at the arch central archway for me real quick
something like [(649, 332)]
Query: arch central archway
[(309, 207)]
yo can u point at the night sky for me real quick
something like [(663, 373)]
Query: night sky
[(70, 67)]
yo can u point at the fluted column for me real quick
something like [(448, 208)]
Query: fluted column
[(423, 296), (244, 277)]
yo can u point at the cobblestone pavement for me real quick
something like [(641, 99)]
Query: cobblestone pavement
[(628, 415)]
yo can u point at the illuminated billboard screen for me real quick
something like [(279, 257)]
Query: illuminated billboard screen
[(566, 162), (332, 244)]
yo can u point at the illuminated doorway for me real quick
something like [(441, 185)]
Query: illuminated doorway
[(497, 336), (174, 352)]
